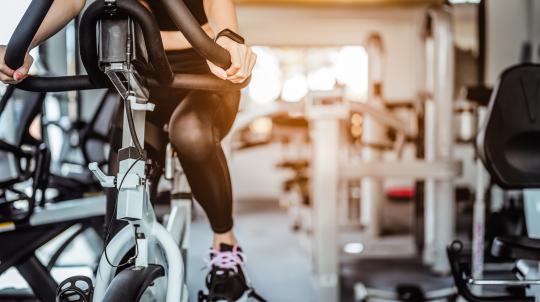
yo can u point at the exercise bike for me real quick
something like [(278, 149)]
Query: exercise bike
[(28, 220), (507, 146), (130, 59)]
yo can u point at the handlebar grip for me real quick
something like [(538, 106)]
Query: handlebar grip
[(24, 33), (57, 84), (193, 32)]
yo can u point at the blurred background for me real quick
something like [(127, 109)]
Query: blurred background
[(352, 157)]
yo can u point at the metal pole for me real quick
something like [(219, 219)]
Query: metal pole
[(479, 216), (373, 134), (429, 149), (430, 222), (443, 96), (325, 133)]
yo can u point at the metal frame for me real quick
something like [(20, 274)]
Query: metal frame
[(154, 243), (440, 200)]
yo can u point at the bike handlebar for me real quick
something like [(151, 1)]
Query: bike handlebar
[(24, 33), (163, 76), (190, 28), (83, 82)]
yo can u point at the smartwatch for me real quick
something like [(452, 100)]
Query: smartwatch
[(231, 35)]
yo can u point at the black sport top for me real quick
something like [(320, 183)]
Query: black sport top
[(164, 21)]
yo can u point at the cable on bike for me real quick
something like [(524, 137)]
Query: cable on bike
[(109, 224)]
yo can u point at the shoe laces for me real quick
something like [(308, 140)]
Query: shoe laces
[(226, 259)]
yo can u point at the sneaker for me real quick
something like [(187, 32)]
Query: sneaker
[(227, 280)]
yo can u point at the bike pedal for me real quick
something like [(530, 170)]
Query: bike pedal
[(75, 289), (201, 297)]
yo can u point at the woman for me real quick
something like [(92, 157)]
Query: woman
[(197, 121)]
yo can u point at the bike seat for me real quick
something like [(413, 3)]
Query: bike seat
[(507, 143), (516, 247)]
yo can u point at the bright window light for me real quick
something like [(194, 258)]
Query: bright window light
[(353, 248), (295, 88), (261, 126), (322, 79), (290, 73), (265, 85), (351, 66)]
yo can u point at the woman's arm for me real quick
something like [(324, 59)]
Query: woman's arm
[(222, 15), (60, 13)]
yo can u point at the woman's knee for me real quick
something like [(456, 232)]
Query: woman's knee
[(192, 137)]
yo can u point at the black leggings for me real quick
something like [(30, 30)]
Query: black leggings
[(197, 122)]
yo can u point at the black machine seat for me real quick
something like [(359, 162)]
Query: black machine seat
[(509, 142), (516, 247)]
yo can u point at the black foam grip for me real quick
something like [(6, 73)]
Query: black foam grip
[(24, 33), (55, 84), (193, 32)]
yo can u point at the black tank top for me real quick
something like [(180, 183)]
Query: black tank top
[(164, 21)]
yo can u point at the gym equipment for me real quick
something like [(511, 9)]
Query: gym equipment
[(437, 168), (506, 145), (30, 161), (123, 25), (28, 220), (69, 175)]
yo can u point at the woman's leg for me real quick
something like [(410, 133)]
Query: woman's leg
[(196, 129)]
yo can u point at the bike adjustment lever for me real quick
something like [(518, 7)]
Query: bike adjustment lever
[(104, 180)]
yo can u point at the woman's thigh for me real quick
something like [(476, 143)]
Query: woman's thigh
[(202, 118)]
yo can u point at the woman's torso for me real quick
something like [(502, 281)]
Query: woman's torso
[(165, 23), (182, 59)]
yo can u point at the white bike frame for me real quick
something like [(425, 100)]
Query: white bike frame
[(155, 243)]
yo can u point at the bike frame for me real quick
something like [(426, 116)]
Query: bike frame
[(113, 63), (154, 243)]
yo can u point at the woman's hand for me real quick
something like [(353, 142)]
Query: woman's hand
[(10, 76), (242, 61)]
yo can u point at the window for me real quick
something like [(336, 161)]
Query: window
[(289, 74)]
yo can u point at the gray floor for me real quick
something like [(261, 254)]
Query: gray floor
[(277, 266)]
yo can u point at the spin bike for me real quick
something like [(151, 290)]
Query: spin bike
[(127, 54)]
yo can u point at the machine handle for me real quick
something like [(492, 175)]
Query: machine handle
[(83, 82), (24, 33), (165, 78), (188, 25)]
